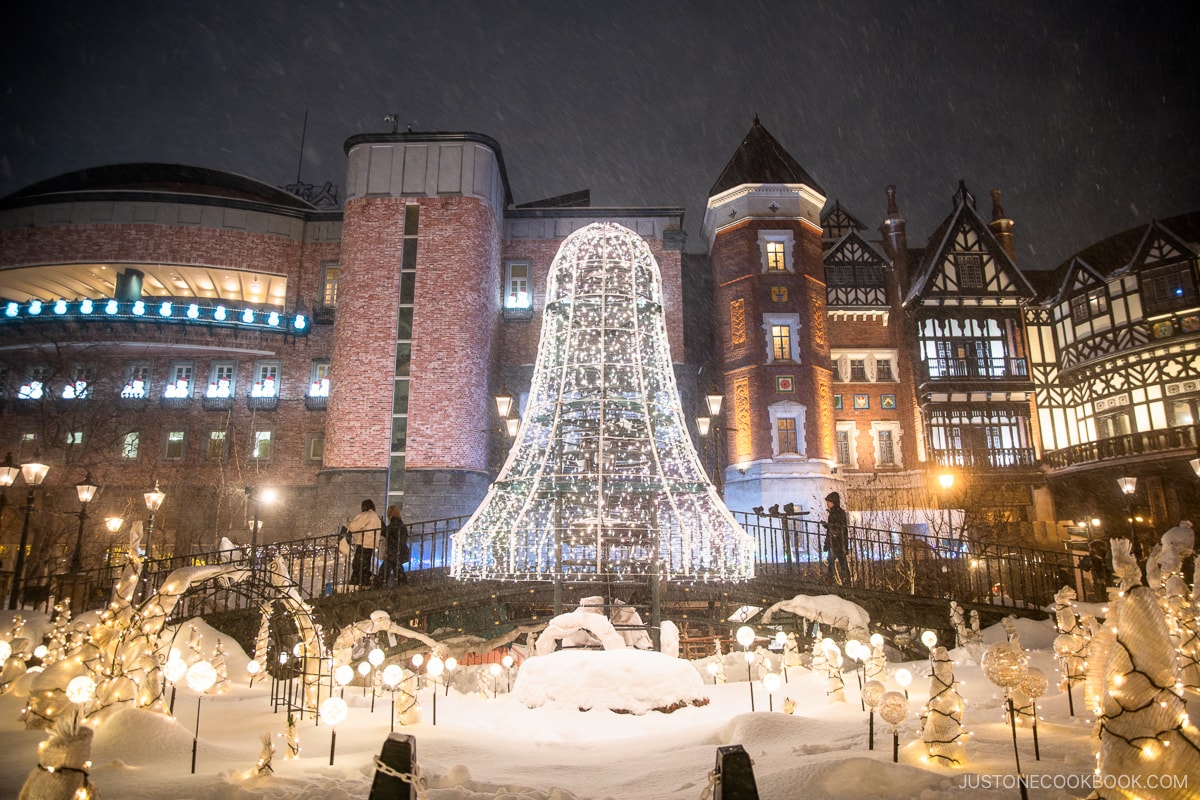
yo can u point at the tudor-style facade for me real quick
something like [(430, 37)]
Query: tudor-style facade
[(1116, 361)]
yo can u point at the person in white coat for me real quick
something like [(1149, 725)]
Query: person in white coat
[(364, 532)]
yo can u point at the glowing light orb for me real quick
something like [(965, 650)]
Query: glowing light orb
[(873, 692), (745, 636), (343, 674), (929, 639), (81, 689), (1035, 683), (364, 668), (5, 650), (201, 676), (435, 666), (1004, 665), (375, 657), (903, 677), (175, 669), (893, 708), (253, 667), (392, 675), (333, 711), (771, 681)]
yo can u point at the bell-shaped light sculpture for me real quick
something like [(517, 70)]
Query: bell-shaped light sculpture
[(602, 478)]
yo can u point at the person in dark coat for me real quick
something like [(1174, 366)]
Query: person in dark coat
[(836, 536), (395, 537)]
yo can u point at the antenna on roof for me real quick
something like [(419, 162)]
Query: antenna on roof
[(303, 133)]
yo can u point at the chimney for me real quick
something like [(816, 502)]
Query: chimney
[(1002, 226), (893, 229)]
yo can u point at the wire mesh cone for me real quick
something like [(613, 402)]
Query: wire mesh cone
[(602, 478)]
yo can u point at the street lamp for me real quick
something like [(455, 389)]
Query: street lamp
[(1128, 487), (86, 491), (257, 496), (1195, 462), (946, 481), (714, 401), (8, 474), (33, 473), (504, 407), (154, 500)]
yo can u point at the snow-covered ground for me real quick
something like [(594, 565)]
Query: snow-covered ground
[(494, 747)]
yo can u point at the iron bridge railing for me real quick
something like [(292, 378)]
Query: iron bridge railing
[(786, 548)]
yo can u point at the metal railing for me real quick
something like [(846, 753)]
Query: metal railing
[(1184, 438), (974, 368), (786, 548)]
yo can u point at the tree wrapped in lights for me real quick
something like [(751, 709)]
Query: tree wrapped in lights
[(291, 738), (602, 478), (943, 733), (1134, 684), (1178, 601), (56, 637), (218, 662), (1072, 643), (64, 764), (827, 658)]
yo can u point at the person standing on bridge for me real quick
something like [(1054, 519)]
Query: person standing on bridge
[(395, 545), (836, 536), (365, 532)]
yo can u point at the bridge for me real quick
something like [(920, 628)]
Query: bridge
[(903, 580)]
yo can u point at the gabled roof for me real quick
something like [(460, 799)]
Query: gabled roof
[(838, 218), (964, 215), (860, 245), (1079, 275), (760, 158)]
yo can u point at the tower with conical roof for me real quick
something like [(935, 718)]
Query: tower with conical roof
[(763, 229)]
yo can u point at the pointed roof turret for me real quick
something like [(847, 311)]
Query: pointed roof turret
[(760, 158)]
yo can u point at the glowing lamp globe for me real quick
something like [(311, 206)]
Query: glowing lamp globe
[(333, 711), (40, 651), (435, 666), (713, 668), (495, 669), (507, 661), (780, 638), (873, 692), (201, 676), (771, 681), (298, 649), (392, 675), (903, 677), (745, 636), (375, 657), (253, 667), (929, 639), (451, 663), (1035, 683), (364, 668), (893, 708), (175, 669), (175, 654), (1005, 665), (343, 674), (1064, 645), (876, 640), (852, 648), (81, 689), (283, 657), (418, 660), (5, 650)]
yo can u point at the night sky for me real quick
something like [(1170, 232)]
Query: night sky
[(1084, 113)]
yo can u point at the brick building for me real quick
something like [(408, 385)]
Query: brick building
[(218, 335)]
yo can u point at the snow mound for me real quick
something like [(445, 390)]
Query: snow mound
[(860, 778), (1035, 634), (135, 736), (629, 680), (827, 609)]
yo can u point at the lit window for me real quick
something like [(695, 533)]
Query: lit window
[(262, 446), (27, 446), (35, 387), (314, 448), (330, 274), (781, 342), (220, 380), (775, 260), (1168, 288), (180, 383), (74, 444), (131, 444), (319, 378), (215, 447), (173, 451), (786, 431), (80, 387), (516, 285), (266, 379), (137, 382)]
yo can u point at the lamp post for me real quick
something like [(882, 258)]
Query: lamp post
[(946, 481), (154, 500), (714, 400), (113, 524), (256, 496), (33, 473), (8, 474), (1129, 487), (86, 491)]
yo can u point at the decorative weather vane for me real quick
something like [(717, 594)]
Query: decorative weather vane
[(602, 478)]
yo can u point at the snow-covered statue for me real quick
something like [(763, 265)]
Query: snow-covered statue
[(791, 651), (827, 658), (1071, 644), (1125, 566), (965, 636), (942, 733)]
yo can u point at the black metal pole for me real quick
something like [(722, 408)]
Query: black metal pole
[(1012, 719), (76, 560), (750, 683), (1037, 753), (196, 737), (332, 745), (19, 566), (895, 746), (871, 731)]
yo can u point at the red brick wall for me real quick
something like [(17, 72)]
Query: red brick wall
[(457, 303)]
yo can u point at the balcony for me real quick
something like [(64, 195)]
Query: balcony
[(217, 403), (175, 403), (316, 402), (987, 458), (262, 402), (975, 369), (1183, 440)]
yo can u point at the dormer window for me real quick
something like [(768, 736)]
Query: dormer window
[(1168, 288), (969, 267), (1086, 306)]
